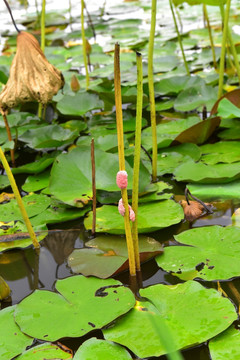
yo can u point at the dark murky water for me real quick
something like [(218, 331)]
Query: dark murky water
[(24, 271)]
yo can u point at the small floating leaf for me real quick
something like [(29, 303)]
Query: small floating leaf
[(46, 351), (226, 345)]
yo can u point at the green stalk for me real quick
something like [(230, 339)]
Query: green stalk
[(19, 199), (179, 37), (42, 43), (151, 91), (84, 45), (210, 35), (121, 158), (224, 41), (232, 46), (137, 151), (94, 197)]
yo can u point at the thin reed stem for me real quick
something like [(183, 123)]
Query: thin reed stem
[(119, 120), (137, 151), (151, 90), (210, 35), (19, 199), (94, 196), (224, 41), (179, 37), (9, 136), (84, 45)]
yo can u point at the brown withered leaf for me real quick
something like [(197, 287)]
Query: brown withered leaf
[(192, 211), (32, 77)]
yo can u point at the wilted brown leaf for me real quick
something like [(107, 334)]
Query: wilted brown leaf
[(192, 211), (32, 77)]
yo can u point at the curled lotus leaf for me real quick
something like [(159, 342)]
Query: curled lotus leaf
[(32, 77)]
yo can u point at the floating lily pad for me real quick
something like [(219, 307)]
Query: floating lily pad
[(231, 96), (37, 182), (216, 191), (12, 340), (226, 345), (101, 350), (221, 152), (157, 195), (203, 173), (51, 136), (79, 104), (74, 171), (198, 133), (34, 204), (192, 313), (50, 316), (167, 132), (168, 159), (206, 250), (46, 351), (4, 182), (171, 85), (37, 166), (108, 255), (227, 110), (151, 217)]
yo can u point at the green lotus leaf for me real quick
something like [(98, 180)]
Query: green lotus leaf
[(220, 152), (45, 351), (108, 255), (79, 104), (151, 217), (12, 340), (39, 165), (227, 110), (204, 254), (171, 85), (226, 345), (203, 173), (80, 305), (192, 313), (101, 350), (4, 182), (37, 182), (216, 191)]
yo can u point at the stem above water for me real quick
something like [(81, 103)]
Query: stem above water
[(84, 44)]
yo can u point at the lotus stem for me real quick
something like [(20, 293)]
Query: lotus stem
[(119, 120), (94, 197), (137, 151), (151, 91), (19, 199), (84, 45), (210, 35), (9, 136), (42, 43), (224, 41), (179, 37)]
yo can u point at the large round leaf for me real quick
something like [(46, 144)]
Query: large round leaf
[(75, 172), (151, 217), (216, 191), (192, 313), (206, 250), (12, 340), (202, 173), (81, 305), (79, 104), (101, 350), (226, 345), (46, 351), (108, 255)]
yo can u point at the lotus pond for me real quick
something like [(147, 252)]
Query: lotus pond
[(76, 297)]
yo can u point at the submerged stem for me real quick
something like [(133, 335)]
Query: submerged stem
[(137, 151), (119, 120), (151, 91), (224, 41), (19, 199), (84, 45), (179, 37)]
